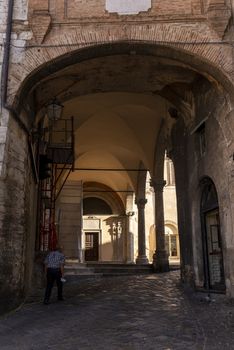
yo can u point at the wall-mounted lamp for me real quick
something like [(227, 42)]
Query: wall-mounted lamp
[(54, 110)]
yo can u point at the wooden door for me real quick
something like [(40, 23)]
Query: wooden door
[(91, 246)]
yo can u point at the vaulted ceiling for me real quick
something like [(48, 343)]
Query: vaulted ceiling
[(118, 103)]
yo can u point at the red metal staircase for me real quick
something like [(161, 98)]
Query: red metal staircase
[(55, 167)]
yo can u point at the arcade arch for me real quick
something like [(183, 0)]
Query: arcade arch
[(132, 102), (109, 96)]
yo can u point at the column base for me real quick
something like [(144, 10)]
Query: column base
[(160, 261), (142, 260)]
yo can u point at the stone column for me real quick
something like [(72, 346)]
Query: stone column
[(142, 258), (160, 258), (129, 255), (129, 234)]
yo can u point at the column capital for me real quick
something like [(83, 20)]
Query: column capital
[(141, 202), (158, 185)]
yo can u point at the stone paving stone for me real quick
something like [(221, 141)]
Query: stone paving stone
[(149, 312)]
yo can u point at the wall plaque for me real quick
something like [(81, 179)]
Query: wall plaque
[(128, 7), (91, 224)]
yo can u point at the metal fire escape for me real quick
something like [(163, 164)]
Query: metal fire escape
[(55, 167)]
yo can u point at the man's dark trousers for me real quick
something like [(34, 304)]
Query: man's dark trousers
[(53, 275)]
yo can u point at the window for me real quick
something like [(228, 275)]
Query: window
[(96, 206), (201, 132), (171, 243)]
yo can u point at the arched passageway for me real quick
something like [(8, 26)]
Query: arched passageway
[(130, 103)]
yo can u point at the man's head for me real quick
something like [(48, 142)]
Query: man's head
[(58, 248)]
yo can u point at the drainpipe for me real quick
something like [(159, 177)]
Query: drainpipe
[(5, 67)]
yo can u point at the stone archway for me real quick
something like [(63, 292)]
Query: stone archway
[(129, 146), (78, 46), (174, 91)]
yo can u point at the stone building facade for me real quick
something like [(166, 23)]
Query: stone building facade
[(104, 233), (140, 78)]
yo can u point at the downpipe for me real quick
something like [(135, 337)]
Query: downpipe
[(6, 55)]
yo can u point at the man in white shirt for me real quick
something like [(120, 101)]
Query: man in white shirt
[(54, 269)]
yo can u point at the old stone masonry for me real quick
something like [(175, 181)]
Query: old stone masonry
[(117, 149)]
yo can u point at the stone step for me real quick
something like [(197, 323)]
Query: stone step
[(99, 269), (118, 269), (78, 272), (75, 278), (78, 269), (174, 267), (105, 269), (74, 272)]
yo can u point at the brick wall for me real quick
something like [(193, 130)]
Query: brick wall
[(58, 27)]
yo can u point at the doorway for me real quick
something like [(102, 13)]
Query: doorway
[(212, 243), (91, 246), (214, 251)]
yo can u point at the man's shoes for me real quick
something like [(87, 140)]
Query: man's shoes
[(46, 302)]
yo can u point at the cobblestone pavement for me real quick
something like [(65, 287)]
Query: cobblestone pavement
[(122, 313)]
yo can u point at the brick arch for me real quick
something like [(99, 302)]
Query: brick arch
[(163, 40)]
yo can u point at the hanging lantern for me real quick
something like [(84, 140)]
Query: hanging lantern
[(54, 110)]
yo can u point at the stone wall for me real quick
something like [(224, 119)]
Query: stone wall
[(17, 215), (191, 165), (49, 32), (17, 219)]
